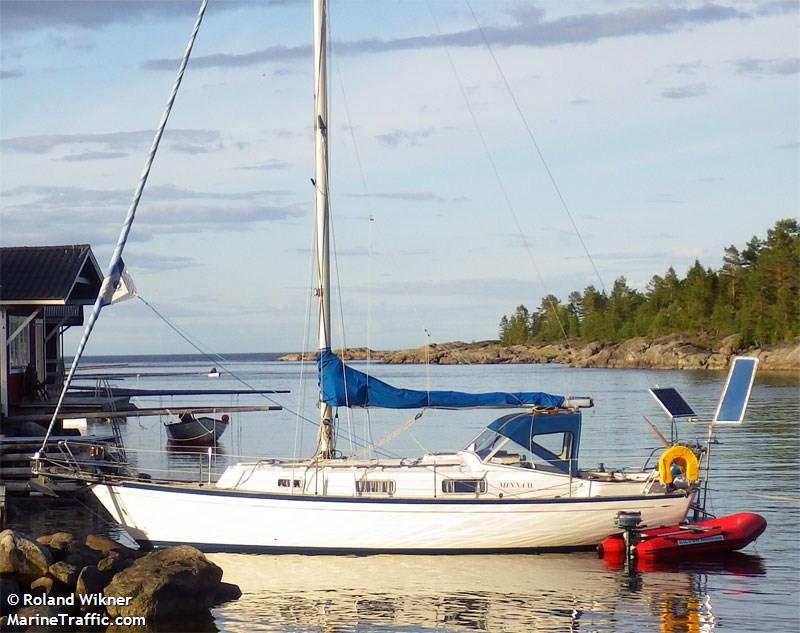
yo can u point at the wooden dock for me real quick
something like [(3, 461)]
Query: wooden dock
[(144, 412), (16, 457)]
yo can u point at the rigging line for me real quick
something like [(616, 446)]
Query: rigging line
[(186, 338), (301, 392), (428, 363), (341, 313), (359, 164), (330, 225), (351, 129), (392, 435), (114, 272), (535, 144), (227, 370), (499, 180)]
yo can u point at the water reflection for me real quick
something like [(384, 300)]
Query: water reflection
[(472, 593)]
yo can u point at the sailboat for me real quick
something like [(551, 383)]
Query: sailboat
[(515, 487)]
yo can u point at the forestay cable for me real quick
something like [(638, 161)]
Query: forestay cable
[(115, 265)]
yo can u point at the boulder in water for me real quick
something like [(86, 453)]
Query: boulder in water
[(23, 556), (176, 582)]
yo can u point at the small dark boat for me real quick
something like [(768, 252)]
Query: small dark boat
[(711, 537), (201, 430)]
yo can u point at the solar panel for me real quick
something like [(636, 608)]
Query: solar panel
[(736, 394), (672, 402)]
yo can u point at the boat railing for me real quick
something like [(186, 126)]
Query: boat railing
[(101, 461), (95, 462)]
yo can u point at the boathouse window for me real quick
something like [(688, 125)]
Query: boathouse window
[(20, 348), (289, 483), (375, 486), (464, 485)]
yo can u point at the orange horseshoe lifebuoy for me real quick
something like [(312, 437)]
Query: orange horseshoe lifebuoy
[(684, 458)]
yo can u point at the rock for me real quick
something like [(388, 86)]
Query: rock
[(42, 611), (81, 556), (91, 581), (104, 545), (59, 543), (227, 591), (113, 562), (729, 345), (8, 586), (171, 583), (43, 585), (49, 586), (65, 572), (22, 556), (697, 351)]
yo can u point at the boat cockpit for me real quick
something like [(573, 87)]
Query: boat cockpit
[(545, 440)]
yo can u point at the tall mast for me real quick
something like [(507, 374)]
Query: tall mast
[(325, 437)]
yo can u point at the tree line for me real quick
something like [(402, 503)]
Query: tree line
[(756, 294)]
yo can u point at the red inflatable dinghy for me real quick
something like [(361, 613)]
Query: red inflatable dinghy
[(715, 536)]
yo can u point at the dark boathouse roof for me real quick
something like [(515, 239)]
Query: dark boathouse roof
[(49, 275)]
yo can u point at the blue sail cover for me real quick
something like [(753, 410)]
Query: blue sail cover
[(343, 386)]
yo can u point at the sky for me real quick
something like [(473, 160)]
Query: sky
[(670, 129)]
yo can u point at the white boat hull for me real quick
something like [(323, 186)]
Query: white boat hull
[(225, 520)]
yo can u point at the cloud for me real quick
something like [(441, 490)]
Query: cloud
[(765, 67), (153, 262), (272, 164), (39, 215), (232, 60), (396, 138), (416, 196), (664, 198), (529, 28), (579, 101), (685, 92), (11, 73), (31, 15), (186, 141), (91, 156), (625, 256), (777, 7), (791, 145), (687, 68)]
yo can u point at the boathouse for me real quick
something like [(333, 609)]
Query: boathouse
[(43, 290)]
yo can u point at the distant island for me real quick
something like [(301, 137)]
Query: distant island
[(751, 305), (670, 352), (754, 296)]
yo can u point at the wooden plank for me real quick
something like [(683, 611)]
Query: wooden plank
[(130, 393), (16, 486), (18, 443), (25, 456), (15, 473), (135, 413), (22, 486)]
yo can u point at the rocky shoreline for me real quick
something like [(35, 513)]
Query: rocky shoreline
[(59, 576), (669, 352)]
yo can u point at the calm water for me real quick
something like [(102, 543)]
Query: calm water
[(754, 468)]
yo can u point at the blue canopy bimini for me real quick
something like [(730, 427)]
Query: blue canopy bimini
[(343, 386)]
